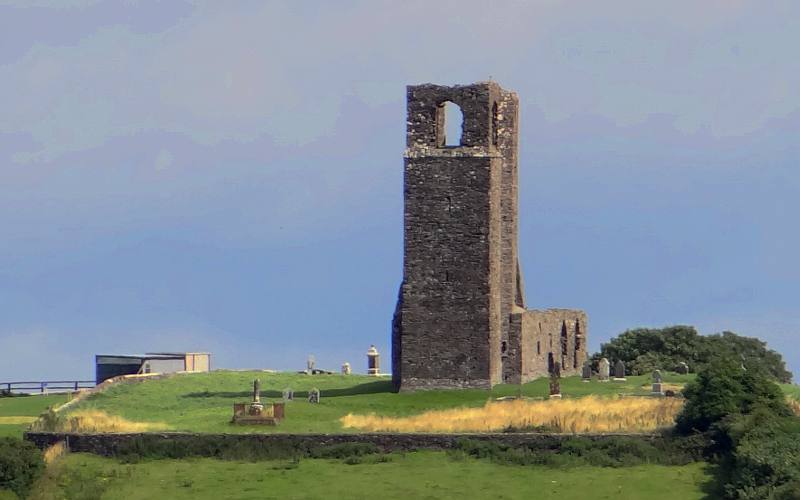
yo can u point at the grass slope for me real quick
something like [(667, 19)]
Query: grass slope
[(16, 409), (413, 475), (203, 402), (793, 390)]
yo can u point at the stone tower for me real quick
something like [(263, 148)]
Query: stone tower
[(460, 318)]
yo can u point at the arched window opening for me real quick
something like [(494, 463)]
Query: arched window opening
[(453, 124)]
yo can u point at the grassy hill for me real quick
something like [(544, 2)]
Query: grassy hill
[(203, 402), (16, 413)]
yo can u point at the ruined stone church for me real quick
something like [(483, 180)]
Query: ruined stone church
[(460, 319)]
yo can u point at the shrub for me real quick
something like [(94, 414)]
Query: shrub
[(231, 448), (21, 463), (617, 451), (344, 450), (723, 390), (765, 461)]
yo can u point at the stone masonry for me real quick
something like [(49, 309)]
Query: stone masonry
[(460, 319)]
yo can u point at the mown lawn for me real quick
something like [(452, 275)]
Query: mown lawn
[(412, 475), (16, 413), (203, 402)]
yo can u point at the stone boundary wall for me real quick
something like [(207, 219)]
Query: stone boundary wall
[(109, 444)]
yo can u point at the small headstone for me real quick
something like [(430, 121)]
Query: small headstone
[(619, 370), (313, 396), (604, 369), (586, 372), (288, 394), (682, 368), (310, 363), (346, 370)]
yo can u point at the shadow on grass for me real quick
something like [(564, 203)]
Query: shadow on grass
[(379, 386), (714, 487)]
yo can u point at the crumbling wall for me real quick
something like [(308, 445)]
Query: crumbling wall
[(548, 336)]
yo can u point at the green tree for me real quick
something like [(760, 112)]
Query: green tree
[(646, 349)]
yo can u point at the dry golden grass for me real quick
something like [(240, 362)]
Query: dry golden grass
[(666, 386), (17, 420), (584, 415), (55, 452), (794, 405), (93, 421)]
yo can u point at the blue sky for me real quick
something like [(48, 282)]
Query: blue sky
[(199, 176)]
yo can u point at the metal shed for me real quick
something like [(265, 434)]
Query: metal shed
[(113, 365)]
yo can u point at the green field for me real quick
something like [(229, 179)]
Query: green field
[(411, 475), (792, 390), (203, 402), (29, 406)]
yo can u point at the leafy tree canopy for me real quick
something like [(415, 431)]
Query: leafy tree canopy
[(646, 349)]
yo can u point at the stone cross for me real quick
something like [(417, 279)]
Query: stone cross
[(657, 379), (657, 388), (604, 369), (310, 362), (256, 391), (313, 396), (619, 369)]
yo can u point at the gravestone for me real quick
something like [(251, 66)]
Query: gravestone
[(619, 370), (310, 363), (682, 368), (657, 379), (313, 396), (604, 369), (555, 381), (586, 372), (256, 408), (288, 394), (257, 413), (346, 370)]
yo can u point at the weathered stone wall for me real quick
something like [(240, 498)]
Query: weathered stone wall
[(110, 445), (448, 324), (459, 320), (557, 332)]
